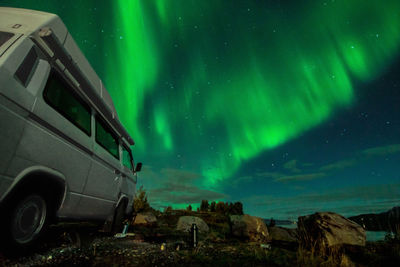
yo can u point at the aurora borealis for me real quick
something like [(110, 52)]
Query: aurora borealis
[(215, 92)]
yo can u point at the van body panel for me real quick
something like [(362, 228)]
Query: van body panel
[(69, 206), (43, 147), (39, 78), (12, 124), (11, 88), (94, 208), (103, 184)]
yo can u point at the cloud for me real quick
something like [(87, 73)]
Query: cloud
[(240, 180), (338, 165), (175, 187), (347, 201), (300, 177), (382, 150), (292, 166), (269, 174)]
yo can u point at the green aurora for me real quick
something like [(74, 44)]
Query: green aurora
[(208, 85), (242, 80)]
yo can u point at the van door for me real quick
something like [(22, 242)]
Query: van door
[(104, 181)]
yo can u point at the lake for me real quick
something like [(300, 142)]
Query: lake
[(371, 235)]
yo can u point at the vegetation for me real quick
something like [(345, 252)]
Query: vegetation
[(212, 206), (393, 236), (227, 208), (204, 205), (140, 203), (272, 222)]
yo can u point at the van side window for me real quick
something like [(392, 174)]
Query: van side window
[(5, 36), (126, 158), (59, 95), (26, 69), (106, 138)]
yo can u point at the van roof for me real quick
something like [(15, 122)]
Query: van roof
[(30, 22)]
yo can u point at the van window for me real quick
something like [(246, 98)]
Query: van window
[(4, 37), (59, 95), (126, 158), (106, 138), (27, 67)]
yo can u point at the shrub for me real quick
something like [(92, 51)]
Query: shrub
[(140, 203), (168, 209)]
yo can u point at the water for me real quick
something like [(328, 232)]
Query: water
[(289, 226), (371, 235), (375, 236)]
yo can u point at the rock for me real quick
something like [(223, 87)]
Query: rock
[(145, 219), (283, 234), (185, 224), (327, 229), (345, 261), (246, 226)]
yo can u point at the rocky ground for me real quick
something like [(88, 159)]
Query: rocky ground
[(162, 241)]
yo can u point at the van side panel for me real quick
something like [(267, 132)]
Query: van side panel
[(12, 123), (39, 145)]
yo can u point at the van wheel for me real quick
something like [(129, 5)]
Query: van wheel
[(119, 217), (28, 220)]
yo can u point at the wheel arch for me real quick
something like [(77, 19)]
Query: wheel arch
[(123, 199), (44, 179)]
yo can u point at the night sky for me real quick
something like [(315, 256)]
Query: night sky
[(290, 107)]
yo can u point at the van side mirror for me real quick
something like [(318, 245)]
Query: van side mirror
[(138, 167)]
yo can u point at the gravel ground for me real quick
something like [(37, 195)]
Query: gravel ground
[(84, 245)]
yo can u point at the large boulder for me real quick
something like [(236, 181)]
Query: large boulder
[(283, 234), (326, 229), (246, 226), (185, 224), (145, 219)]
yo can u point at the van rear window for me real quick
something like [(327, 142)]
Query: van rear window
[(4, 37)]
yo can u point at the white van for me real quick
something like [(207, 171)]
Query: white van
[(63, 152)]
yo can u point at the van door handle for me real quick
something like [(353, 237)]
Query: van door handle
[(117, 172)]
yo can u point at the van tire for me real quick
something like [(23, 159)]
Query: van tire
[(27, 220), (119, 217)]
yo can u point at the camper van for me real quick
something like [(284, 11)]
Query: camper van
[(64, 154)]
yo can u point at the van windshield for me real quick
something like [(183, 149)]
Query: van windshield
[(5, 36)]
